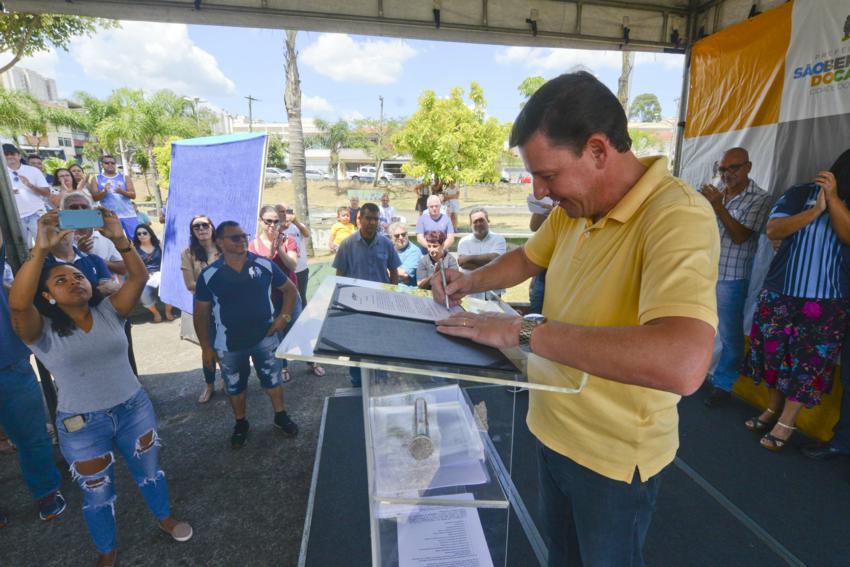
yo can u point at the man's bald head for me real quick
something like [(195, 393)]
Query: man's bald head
[(734, 169)]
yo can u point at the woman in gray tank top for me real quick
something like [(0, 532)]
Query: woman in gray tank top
[(80, 337)]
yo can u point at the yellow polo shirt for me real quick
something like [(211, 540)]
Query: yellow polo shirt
[(655, 254)]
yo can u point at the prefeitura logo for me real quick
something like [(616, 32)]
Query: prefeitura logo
[(831, 66)]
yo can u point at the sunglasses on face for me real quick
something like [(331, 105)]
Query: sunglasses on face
[(108, 163), (732, 168), (142, 233), (237, 238), (79, 207), (270, 222), (201, 225), (399, 236)]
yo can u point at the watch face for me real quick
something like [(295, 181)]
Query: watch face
[(534, 317)]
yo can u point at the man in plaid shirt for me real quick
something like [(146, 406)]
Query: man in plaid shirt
[(741, 207)]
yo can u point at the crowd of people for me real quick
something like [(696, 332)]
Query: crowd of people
[(643, 274)]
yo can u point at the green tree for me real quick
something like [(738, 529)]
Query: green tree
[(645, 108), (162, 154), (23, 35), (23, 115), (645, 143), (528, 87), (334, 137), (277, 152), (378, 139), (450, 141)]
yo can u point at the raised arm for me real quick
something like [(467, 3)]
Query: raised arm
[(839, 216), (782, 227), (129, 190), (26, 320), (96, 193), (137, 275)]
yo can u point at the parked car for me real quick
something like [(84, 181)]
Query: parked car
[(314, 174), (366, 174), (277, 174)]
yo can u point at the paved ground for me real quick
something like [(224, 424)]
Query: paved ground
[(247, 507)]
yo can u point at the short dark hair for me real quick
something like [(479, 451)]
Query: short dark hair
[(104, 156), (569, 109), (219, 230), (371, 207), (435, 236), (33, 156)]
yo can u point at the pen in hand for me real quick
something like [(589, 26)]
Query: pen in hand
[(443, 278)]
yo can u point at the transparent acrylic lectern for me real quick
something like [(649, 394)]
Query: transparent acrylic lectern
[(438, 465)]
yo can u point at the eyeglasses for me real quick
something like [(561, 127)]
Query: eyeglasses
[(237, 238), (270, 222), (143, 233), (400, 235), (201, 225), (732, 168)]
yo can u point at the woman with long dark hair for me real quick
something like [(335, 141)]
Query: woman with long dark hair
[(200, 253), (80, 337), (801, 315), (148, 247), (81, 178)]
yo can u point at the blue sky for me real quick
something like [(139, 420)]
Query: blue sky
[(342, 76)]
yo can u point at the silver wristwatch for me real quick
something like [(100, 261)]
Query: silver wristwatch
[(529, 323)]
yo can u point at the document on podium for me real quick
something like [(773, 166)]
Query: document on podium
[(394, 304), (436, 536)]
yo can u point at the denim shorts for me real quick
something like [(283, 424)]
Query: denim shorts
[(235, 367)]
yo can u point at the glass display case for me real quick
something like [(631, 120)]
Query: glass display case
[(439, 490)]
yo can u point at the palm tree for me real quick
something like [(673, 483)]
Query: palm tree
[(23, 115), (295, 133), (334, 137)]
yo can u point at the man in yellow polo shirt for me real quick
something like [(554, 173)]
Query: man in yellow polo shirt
[(632, 255)]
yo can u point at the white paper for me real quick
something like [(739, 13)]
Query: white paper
[(435, 536), (392, 303)]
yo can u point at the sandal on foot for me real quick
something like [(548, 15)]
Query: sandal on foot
[(773, 443), (757, 425), (318, 370)]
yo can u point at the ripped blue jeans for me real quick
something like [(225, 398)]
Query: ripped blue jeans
[(131, 428)]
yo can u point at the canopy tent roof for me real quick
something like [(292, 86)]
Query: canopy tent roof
[(588, 24)]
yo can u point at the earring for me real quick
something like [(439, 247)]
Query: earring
[(52, 301)]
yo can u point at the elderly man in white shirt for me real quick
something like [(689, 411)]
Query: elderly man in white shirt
[(481, 247)]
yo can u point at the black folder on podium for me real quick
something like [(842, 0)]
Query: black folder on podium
[(375, 336)]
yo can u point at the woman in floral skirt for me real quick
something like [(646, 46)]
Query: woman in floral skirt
[(801, 315)]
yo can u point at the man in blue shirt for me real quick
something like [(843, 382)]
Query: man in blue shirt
[(367, 256), (408, 253), (434, 220), (237, 289), (22, 416)]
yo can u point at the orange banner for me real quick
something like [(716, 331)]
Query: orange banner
[(737, 75)]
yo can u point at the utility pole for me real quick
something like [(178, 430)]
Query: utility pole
[(251, 112)]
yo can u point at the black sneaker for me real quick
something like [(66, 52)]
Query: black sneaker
[(240, 434), (282, 422), (717, 397)]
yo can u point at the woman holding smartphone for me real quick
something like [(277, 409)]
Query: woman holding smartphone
[(80, 337)]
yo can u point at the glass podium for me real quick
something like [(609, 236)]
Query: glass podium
[(439, 489)]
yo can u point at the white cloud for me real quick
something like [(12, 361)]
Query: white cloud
[(352, 116), (341, 58), (315, 104), (670, 61), (550, 60), (151, 56)]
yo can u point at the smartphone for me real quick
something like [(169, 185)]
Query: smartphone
[(74, 423), (75, 219)]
